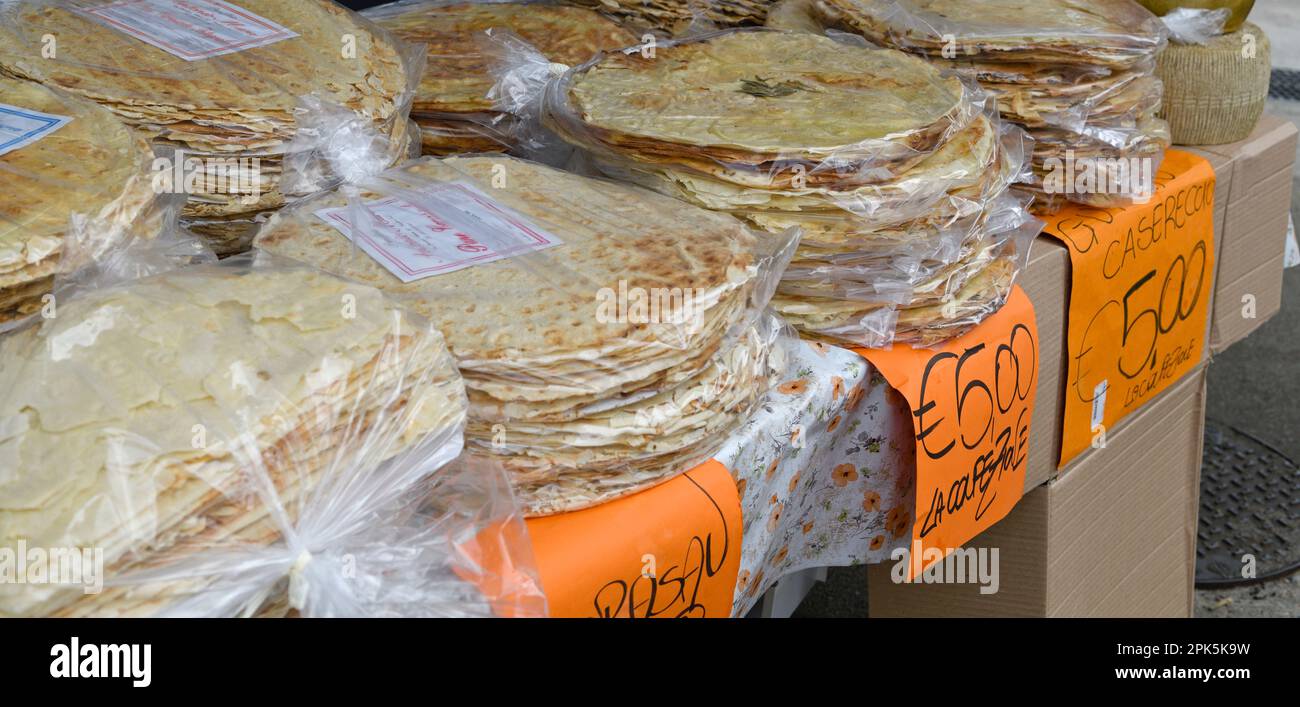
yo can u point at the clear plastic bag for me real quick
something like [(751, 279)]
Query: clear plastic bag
[(1195, 26), (249, 437), (1079, 77), (452, 105), (1110, 33), (78, 186), (1014, 59), (882, 216), (795, 16), (729, 136), (944, 297), (219, 88), (567, 303)]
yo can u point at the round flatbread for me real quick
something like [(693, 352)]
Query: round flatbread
[(579, 401), (457, 76), (153, 420), (533, 319), (94, 169), (247, 104), (751, 98), (235, 102), (1111, 33)]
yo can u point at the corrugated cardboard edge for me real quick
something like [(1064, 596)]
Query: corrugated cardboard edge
[(1122, 529), (1252, 201), (1048, 567), (1047, 282)]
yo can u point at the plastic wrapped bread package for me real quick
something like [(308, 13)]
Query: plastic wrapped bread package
[(452, 105), (1078, 75), (77, 188), (248, 437), (948, 300), (890, 168), (220, 89), (610, 337)]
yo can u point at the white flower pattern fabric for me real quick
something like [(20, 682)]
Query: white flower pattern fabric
[(825, 470)]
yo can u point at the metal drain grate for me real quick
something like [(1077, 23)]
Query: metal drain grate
[(1285, 84), (1250, 505)]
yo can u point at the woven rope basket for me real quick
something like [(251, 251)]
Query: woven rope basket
[(1214, 94)]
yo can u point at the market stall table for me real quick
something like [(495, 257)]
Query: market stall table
[(821, 476)]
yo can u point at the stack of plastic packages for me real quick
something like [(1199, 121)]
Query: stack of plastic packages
[(451, 105), (896, 175), (69, 166), (610, 338), (250, 437), (222, 90), (1078, 74)]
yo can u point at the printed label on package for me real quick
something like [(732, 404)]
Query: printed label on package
[(455, 226), (191, 29), (20, 127), (1142, 277)]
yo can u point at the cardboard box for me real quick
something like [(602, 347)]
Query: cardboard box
[(1252, 201), (1115, 535), (1047, 282)]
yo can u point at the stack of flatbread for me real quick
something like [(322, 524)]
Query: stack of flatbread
[(233, 118), (674, 16), (452, 105), (84, 187), (181, 421), (580, 392), (1078, 74), (946, 300), (886, 166)]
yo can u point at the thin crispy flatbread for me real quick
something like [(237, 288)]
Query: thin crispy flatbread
[(159, 420)]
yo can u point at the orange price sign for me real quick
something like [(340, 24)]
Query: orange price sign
[(1142, 278), (671, 551), (972, 399)]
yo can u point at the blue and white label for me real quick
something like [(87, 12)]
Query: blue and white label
[(20, 127), (1099, 405)]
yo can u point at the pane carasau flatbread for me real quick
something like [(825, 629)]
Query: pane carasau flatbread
[(152, 419), (452, 104), (244, 104), (94, 168), (763, 101), (1111, 33), (1078, 75), (537, 354), (458, 74)]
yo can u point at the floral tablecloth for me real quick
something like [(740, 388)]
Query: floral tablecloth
[(825, 475), (825, 471)]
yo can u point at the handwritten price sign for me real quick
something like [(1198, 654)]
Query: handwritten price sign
[(972, 401), (1142, 280), (672, 551)]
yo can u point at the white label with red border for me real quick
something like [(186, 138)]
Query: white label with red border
[(190, 29), (454, 226)]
